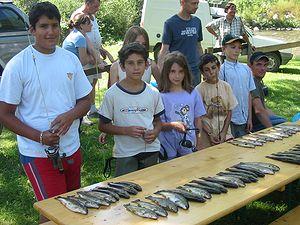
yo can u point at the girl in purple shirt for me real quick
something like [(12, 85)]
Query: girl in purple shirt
[(183, 109)]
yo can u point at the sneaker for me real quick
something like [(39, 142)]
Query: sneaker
[(94, 114), (86, 121)]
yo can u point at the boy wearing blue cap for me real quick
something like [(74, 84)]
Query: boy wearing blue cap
[(239, 76)]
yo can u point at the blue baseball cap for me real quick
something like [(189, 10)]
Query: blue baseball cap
[(229, 38)]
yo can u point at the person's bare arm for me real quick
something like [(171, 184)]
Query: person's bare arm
[(198, 125), (9, 120), (178, 126), (261, 112), (210, 30), (84, 57), (155, 71), (165, 49), (132, 131), (249, 119), (113, 74), (270, 112), (200, 49), (225, 126)]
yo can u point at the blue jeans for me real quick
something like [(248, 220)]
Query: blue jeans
[(196, 76), (274, 120)]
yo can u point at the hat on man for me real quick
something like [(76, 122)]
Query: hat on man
[(229, 38), (257, 56)]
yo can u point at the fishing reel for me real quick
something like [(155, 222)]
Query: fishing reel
[(53, 154), (187, 143)]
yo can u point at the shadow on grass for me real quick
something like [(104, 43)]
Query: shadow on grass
[(16, 196), (266, 209), (294, 71)]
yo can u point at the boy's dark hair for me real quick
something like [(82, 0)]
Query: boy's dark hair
[(43, 9), (228, 5), (90, 1), (132, 48), (208, 58), (164, 84)]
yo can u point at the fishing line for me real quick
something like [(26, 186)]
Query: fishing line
[(52, 152)]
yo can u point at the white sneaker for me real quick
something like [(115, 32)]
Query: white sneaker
[(86, 121)]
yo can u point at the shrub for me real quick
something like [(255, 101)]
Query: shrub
[(114, 16), (270, 13)]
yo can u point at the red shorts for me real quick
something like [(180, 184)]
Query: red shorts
[(47, 181)]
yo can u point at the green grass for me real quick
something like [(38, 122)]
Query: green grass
[(17, 198)]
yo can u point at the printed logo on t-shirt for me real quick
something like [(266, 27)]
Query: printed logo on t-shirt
[(134, 110), (189, 31), (183, 111), (70, 76)]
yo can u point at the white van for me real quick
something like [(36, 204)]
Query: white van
[(156, 12)]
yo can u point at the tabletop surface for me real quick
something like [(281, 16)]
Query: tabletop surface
[(179, 171)]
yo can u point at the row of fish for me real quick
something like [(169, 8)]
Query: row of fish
[(259, 139), (291, 156), (200, 190), (99, 196)]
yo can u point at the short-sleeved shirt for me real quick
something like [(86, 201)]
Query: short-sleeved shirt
[(94, 35), (222, 27), (180, 107), (218, 99), (240, 78), (124, 108), (42, 91), (257, 93), (184, 35), (74, 41)]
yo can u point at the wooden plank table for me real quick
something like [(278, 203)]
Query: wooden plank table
[(179, 171)]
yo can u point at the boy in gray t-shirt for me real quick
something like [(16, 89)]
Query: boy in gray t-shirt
[(131, 111)]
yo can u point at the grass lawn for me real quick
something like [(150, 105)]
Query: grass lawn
[(17, 198)]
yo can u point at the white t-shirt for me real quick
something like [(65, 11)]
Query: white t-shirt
[(95, 35), (146, 76), (51, 86), (131, 109)]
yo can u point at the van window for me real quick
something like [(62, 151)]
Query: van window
[(11, 21)]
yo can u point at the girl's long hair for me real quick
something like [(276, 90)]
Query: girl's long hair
[(133, 32), (78, 20), (175, 57)]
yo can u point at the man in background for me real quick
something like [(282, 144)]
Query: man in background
[(183, 32), (229, 24), (262, 116)]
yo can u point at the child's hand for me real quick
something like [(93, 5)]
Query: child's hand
[(249, 126), (150, 136), (102, 138), (102, 64), (214, 140), (135, 131), (223, 137), (179, 126)]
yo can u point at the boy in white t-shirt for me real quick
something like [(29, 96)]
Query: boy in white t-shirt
[(131, 111), (43, 93)]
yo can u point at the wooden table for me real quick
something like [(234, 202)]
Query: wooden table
[(179, 171)]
